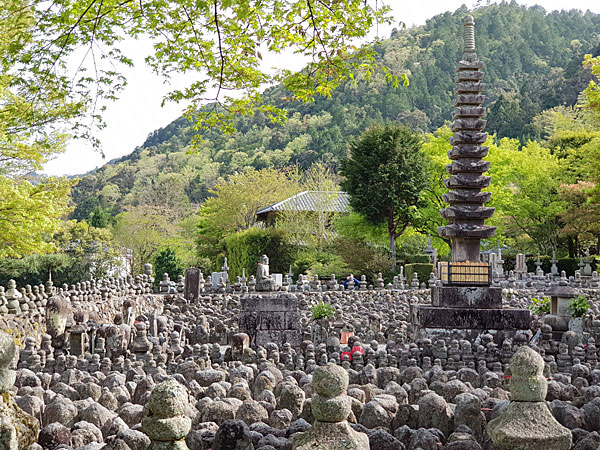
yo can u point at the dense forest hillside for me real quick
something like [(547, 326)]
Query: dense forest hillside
[(532, 63)]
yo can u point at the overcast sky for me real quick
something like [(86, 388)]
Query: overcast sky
[(137, 113)]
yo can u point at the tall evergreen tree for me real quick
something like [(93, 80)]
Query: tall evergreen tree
[(385, 175)]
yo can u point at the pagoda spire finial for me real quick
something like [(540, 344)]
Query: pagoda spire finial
[(469, 39)]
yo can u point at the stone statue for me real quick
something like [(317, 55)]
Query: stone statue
[(527, 422), (331, 408), (58, 311), (164, 421), (264, 281)]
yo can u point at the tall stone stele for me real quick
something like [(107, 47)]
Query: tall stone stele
[(466, 214), (527, 423)]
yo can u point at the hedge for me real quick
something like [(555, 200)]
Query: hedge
[(412, 259), (243, 250), (423, 272)]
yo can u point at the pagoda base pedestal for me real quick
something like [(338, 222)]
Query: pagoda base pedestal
[(459, 312)]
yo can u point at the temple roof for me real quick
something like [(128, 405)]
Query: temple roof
[(334, 201)]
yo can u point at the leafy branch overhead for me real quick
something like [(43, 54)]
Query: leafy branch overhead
[(220, 43)]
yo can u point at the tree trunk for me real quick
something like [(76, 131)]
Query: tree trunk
[(571, 247), (393, 250)]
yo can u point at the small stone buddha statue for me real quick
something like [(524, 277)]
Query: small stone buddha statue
[(264, 281)]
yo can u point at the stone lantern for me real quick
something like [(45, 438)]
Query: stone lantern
[(77, 340), (560, 296)]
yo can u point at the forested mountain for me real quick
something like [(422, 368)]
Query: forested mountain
[(532, 63)]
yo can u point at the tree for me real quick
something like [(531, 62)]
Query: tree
[(237, 199), (30, 121), (581, 219), (36, 269), (592, 92), (428, 217), (221, 41), (30, 214), (312, 228), (524, 188), (167, 262), (385, 176), (142, 231), (166, 193), (92, 250), (100, 217)]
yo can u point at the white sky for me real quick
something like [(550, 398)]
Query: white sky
[(137, 113)]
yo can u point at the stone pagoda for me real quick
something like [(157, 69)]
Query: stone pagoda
[(463, 300), (466, 213)]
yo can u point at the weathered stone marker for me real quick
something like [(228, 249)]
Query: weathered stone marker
[(192, 284), (527, 423), (331, 408), (165, 422), (271, 318)]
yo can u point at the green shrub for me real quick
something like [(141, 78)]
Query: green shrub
[(539, 306), (324, 270), (243, 250), (167, 262), (361, 259), (322, 311), (412, 259), (35, 269), (578, 306), (570, 265), (423, 272)]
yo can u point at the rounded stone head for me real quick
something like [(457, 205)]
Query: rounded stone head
[(527, 384), (330, 380), (168, 399)]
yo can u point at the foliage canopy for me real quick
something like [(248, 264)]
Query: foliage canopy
[(384, 176)]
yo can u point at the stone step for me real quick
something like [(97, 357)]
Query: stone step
[(467, 297), (470, 318)]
